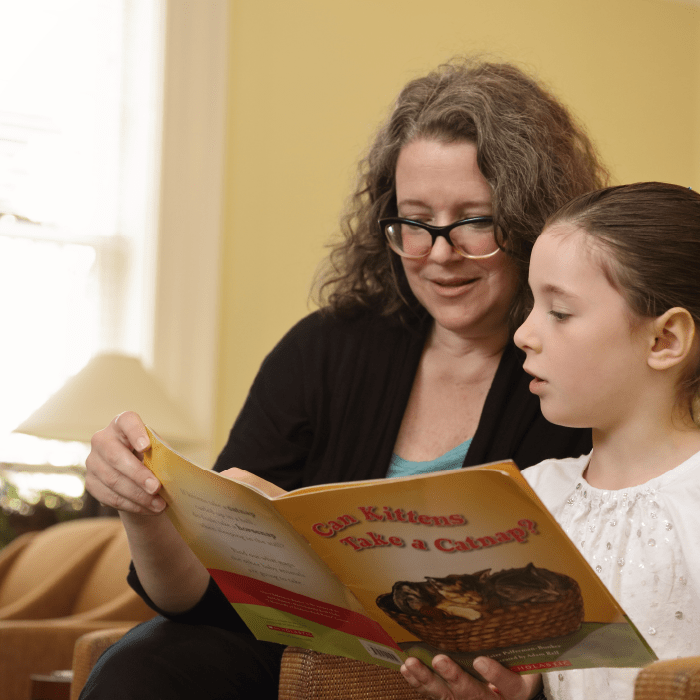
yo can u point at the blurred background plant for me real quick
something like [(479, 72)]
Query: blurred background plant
[(33, 500)]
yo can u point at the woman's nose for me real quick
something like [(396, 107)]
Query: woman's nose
[(443, 252)]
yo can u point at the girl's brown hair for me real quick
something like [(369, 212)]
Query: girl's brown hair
[(531, 151), (648, 234)]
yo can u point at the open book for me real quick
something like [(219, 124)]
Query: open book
[(466, 562)]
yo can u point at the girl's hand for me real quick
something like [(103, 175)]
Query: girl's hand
[(455, 684)]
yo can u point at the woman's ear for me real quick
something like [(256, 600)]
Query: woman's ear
[(674, 335)]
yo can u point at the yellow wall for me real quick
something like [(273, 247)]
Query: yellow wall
[(311, 79)]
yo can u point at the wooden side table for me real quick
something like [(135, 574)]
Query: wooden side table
[(52, 686)]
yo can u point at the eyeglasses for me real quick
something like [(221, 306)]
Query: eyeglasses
[(474, 238)]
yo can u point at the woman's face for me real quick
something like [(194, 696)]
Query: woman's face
[(439, 183)]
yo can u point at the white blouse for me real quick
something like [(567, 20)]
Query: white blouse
[(644, 544)]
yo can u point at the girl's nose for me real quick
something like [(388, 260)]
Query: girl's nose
[(525, 337)]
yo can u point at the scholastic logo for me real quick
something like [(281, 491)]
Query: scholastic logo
[(300, 633), (540, 666)]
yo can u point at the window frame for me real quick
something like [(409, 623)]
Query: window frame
[(185, 320)]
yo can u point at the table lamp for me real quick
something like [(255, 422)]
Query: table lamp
[(109, 384)]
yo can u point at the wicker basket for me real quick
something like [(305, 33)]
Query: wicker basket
[(498, 627)]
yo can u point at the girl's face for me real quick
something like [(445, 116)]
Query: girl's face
[(587, 358), (439, 183)]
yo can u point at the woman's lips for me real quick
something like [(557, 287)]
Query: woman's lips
[(451, 287)]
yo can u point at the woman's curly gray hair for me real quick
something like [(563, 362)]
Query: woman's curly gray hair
[(530, 149)]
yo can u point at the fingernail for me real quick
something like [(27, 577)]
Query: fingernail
[(440, 664), (142, 444), (481, 665), (151, 485), (158, 504)]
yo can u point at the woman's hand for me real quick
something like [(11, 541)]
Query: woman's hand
[(169, 571), (455, 684), (247, 478), (115, 473)]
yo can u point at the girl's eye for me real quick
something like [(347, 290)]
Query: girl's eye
[(559, 315)]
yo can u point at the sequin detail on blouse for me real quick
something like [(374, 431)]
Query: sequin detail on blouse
[(629, 538)]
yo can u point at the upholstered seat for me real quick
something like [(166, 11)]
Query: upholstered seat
[(43, 571), (59, 584)]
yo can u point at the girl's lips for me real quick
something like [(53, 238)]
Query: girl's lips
[(536, 384)]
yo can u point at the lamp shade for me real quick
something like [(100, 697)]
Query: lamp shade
[(108, 385)]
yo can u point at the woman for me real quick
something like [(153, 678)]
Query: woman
[(408, 367)]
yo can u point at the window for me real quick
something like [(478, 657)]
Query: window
[(80, 122)]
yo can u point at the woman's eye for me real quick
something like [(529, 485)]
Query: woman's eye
[(410, 224), (559, 315), (482, 224)]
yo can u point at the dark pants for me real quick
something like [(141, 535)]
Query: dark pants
[(164, 660)]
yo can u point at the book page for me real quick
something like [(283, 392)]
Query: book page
[(274, 579)]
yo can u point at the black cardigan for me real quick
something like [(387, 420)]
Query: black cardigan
[(327, 404), (329, 399)]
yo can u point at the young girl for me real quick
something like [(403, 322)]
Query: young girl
[(611, 342)]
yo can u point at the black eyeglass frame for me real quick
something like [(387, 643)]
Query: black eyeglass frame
[(437, 231)]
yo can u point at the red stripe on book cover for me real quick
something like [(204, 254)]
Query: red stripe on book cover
[(250, 591)]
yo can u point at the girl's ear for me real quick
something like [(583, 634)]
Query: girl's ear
[(674, 333)]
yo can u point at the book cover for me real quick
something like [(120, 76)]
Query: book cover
[(466, 562)]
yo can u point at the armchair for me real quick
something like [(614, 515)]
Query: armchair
[(40, 571), (11, 551), (67, 581), (678, 679), (307, 675)]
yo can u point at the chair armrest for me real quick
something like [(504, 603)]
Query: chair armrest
[(33, 646), (677, 679), (308, 675), (88, 649)]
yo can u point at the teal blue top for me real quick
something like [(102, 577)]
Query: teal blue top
[(450, 460)]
